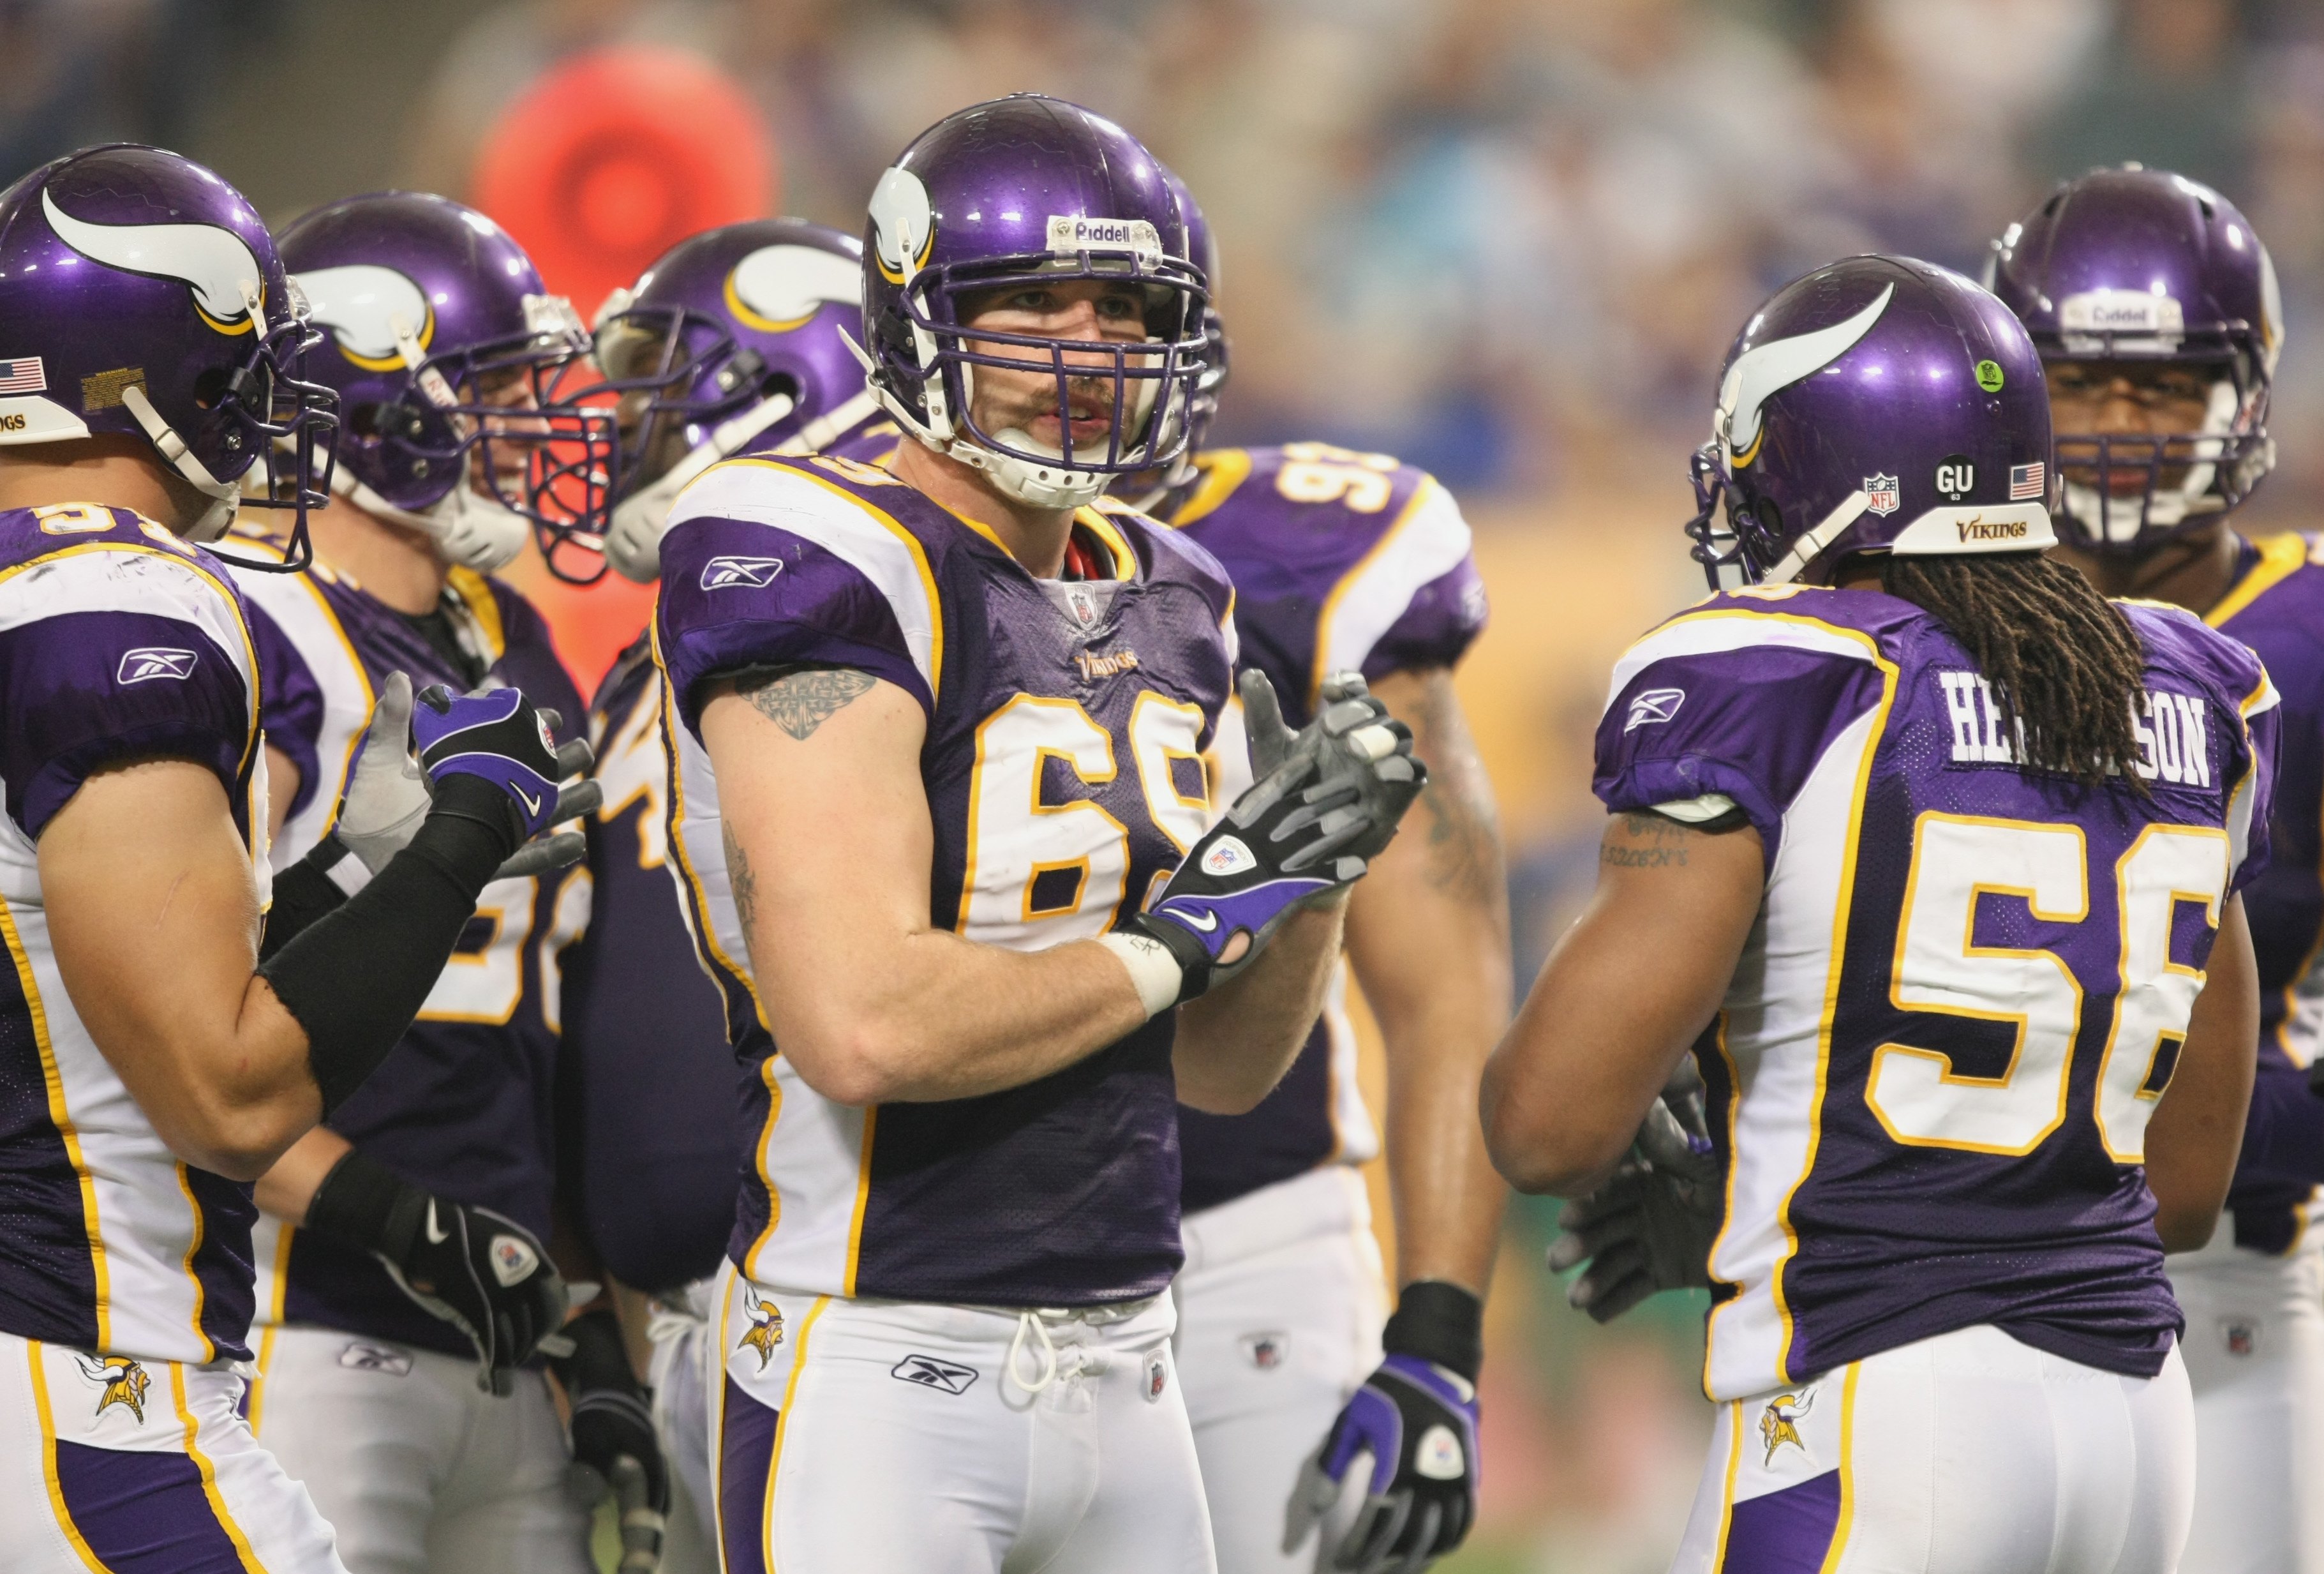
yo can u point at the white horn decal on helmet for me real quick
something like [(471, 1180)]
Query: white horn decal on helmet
[(903, 225), (2271, 312), (777, 288), (361, 303), (216, 261), (1763, 370)]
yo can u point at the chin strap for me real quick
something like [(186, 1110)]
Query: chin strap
[(1804, 550), (226, 498)]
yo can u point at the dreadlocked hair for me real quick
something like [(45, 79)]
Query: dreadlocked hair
[(2065, 665)]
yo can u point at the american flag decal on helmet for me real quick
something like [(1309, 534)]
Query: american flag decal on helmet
[(2028, 481), (22, 376)]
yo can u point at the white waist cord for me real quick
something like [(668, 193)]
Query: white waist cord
[(1048, 1372)]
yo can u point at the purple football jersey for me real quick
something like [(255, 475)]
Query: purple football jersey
[(1340, 561), (1063, 778), (656, 1095), (656, 1128), (463, 1105), (2276, 607), (116, 640), (1931, 1078)]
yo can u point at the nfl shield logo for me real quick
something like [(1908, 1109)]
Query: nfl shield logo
[(2242, 1338), (1881, 495), (1157, 1377), (1084, 604), (1264, 1351)]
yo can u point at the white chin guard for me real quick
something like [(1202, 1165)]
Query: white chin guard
[(472, 531), (1036, 486)]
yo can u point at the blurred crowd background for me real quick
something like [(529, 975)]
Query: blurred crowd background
[(1508, 240)]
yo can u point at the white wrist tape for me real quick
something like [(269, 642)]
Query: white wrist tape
[(1153, 970)]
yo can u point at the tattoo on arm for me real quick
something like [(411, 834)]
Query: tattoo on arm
[(740, 875), (1646, 841), (1465, 845), (800, 701), (1464, 832)]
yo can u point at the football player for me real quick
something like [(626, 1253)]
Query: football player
[(733, 342), (158, 1065), (403, 1281), (2155, 310), (938, 800), (1345, 560), (1937, 856)]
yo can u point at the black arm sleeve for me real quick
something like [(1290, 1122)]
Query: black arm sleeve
[(303, 893), (356, 978)]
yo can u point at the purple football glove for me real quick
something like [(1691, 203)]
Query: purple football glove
[(1416, 1421), (499, 736), (1321, 801)]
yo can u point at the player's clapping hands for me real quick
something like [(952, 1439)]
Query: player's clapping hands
[(489, 736), (1322, 802)]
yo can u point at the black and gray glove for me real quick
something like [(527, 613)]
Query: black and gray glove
[(483, 1272), (389, 794), (1414, 1423), (1650, 1228), (615, 1445), (1322, 800)]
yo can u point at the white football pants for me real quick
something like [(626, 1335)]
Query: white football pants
[(685, 1378), (861, 1437), (1968, 1453), (109, 1464), (419, 1470), (1280, 1307), (2254, 1350)]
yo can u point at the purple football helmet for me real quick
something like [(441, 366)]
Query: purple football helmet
[(735, 340), (140, 295), (1025, 192), (1880, 404), (2139, 267), (460, 377)]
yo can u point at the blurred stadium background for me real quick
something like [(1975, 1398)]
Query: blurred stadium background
[(1506, 239)]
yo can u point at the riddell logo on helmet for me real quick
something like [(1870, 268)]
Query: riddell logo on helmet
[(1073, 233), (2122, 311)]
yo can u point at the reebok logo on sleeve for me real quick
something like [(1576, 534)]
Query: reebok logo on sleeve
[(1653, 705), (147, 662), (729, 573)]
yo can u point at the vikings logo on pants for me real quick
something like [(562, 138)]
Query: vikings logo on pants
[(766, 1327), (1779, 1424), (122, 1380)]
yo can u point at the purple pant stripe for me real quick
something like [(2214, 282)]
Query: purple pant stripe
[(1783, 1532), (746, 1452), (143, 1513)]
